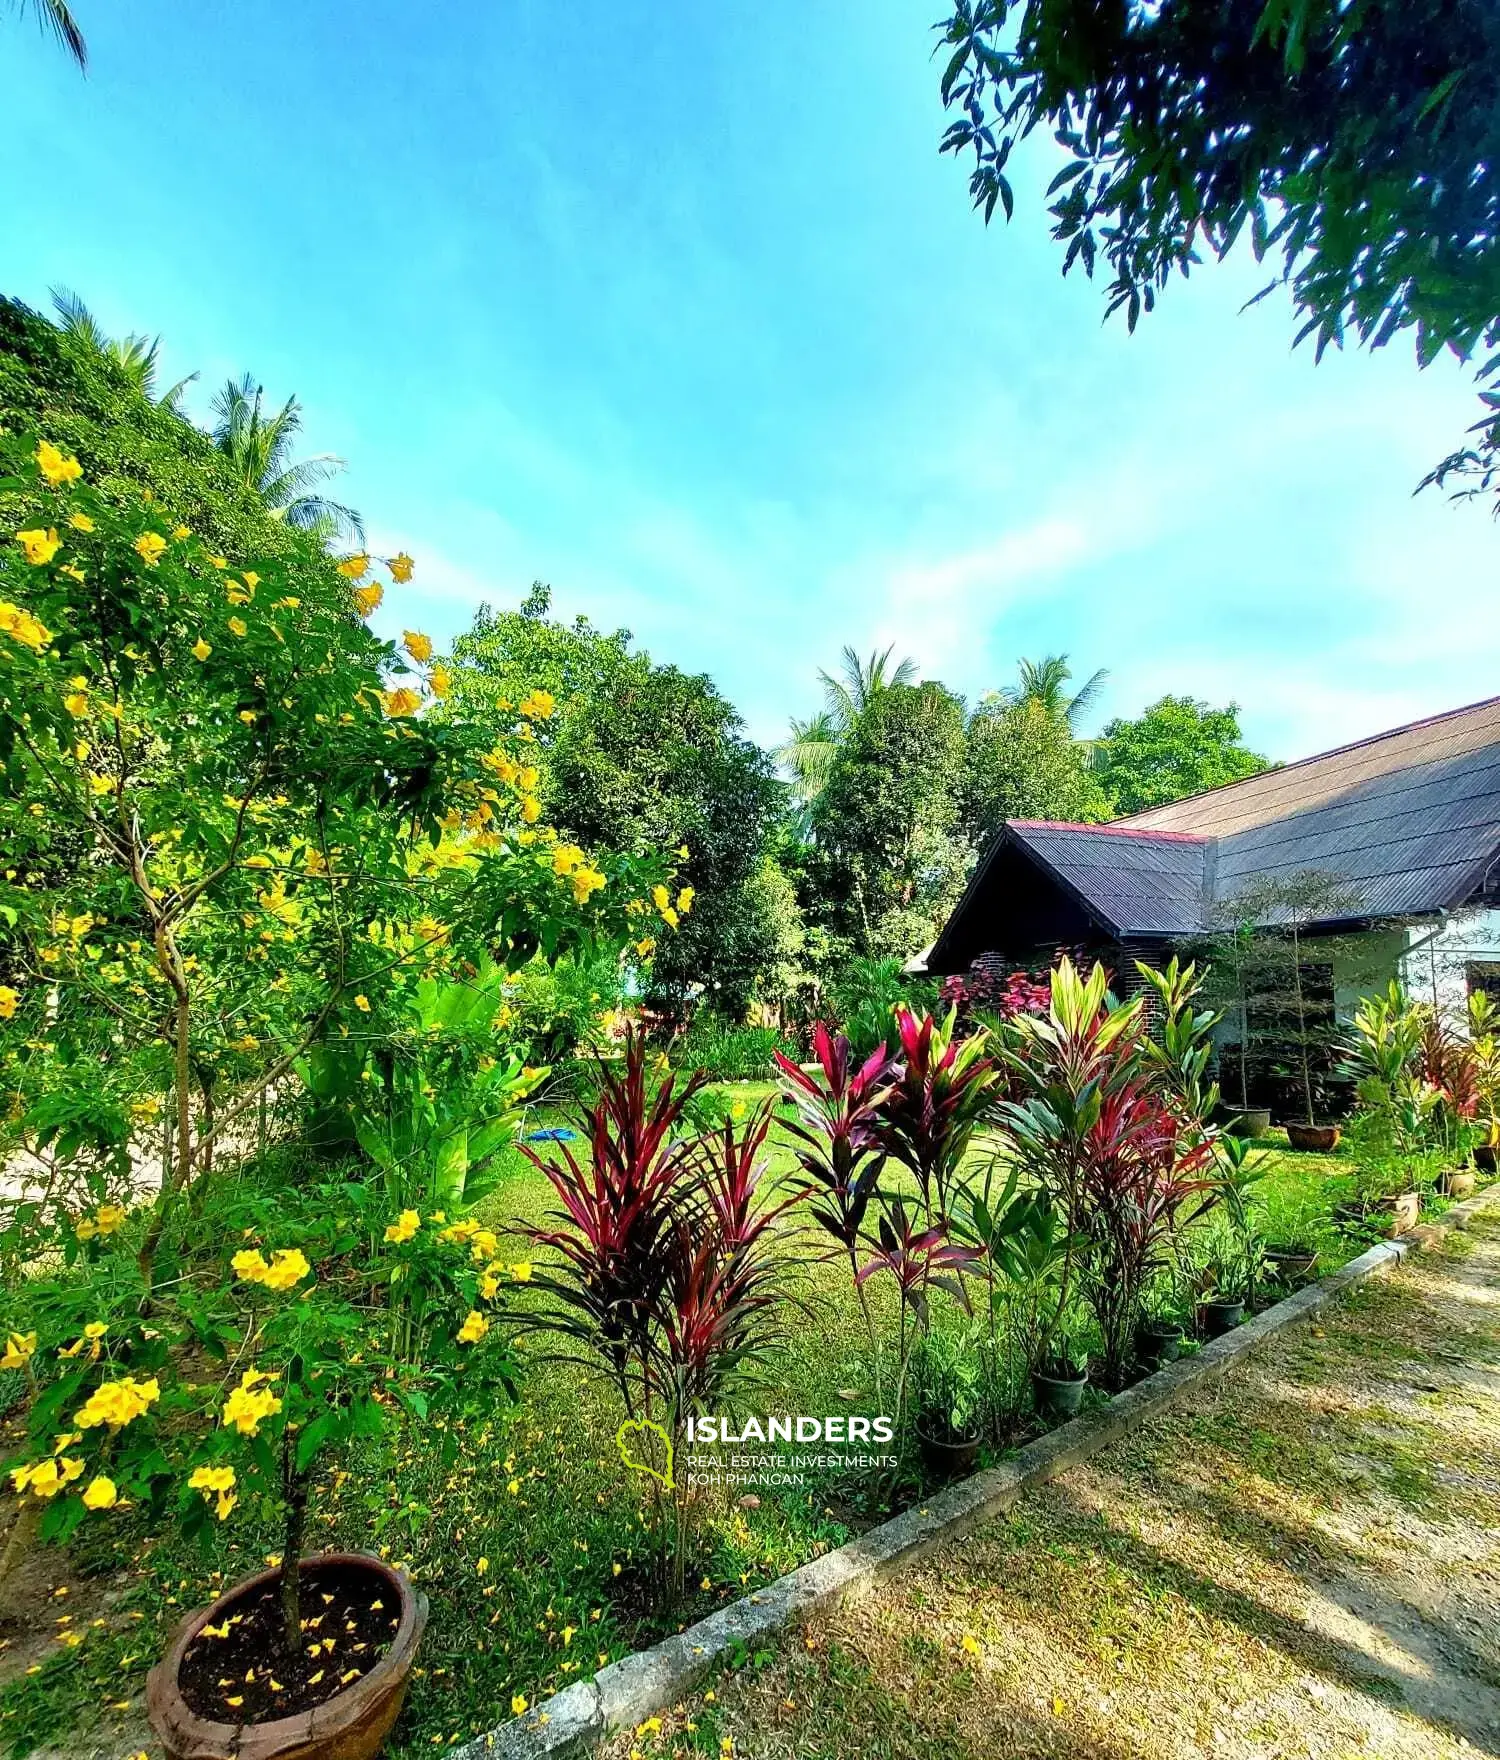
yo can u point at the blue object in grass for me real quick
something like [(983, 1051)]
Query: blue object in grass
[(557, 1134)]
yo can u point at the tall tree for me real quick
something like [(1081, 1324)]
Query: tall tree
[(1359, 142), (135, 355), (806, 756), (258, 444), (1022, 761), (889, 857), (1177, 747), (659, 758), (57, 16), (1045, 682)]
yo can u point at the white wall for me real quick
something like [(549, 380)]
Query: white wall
[(1435, 968)]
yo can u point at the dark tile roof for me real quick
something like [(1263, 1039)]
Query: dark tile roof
[(1140, 882), (1406, 823)]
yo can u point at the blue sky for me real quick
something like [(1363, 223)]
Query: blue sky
[(680, 310)]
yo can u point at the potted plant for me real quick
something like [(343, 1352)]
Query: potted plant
[(1059, 1379), (1221, 1306), (1158, 1341), (1291, 1232), (368, 1314), (947, 1399)]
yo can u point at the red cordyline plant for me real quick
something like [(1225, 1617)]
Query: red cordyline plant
[(943, 1089), (1144, 1174), (669, 1270), (840, 1148)]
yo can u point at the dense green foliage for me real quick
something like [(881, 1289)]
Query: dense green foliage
[(1358, 142), (642, 754), (1176, 747)]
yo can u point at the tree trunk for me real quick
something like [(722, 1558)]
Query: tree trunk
[(294, 1497)]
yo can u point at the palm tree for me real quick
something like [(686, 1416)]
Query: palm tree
[(807, 754), (258, 444), (56, 16), (134, 355), (1044, 682), (861, 682)]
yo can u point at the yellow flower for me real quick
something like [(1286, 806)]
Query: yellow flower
[(538, 705), (645, 947), (362, 1003), (404, 1227), (76, 703), (473, 1328), (531, 809), (401, 567), (149, 547), (117, 1403), (181, 532), (685, 899), (489, 1286), (9, 998), (669, 917), (440, 681), (249, 1265), (661, 898), (400, 702), (522, 1272), (46, 1478), (100, 785), (22, 627), (20, 1348), (481, 1566), (518, 1705), (100, 1493), (109, 1217), (39, 547), (249, 1404), (288, 1266), (90, 1336), (354, 568), (80, 522), (57, 467), (238, 626), (416, 644), (367, 599), (202, 649), (215, 1482)]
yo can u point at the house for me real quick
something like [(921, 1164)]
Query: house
[(1385, 852)]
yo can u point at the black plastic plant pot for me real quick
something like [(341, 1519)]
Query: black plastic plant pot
[(1158, 1342), (945, 1455), (1291, 1265), (1220, 1315), (1058, 1395)]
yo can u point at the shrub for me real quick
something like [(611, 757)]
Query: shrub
[(665, 1272), (729, 1053)]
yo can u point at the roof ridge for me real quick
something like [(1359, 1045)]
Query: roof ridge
[(1352, 745), (1117, 828)]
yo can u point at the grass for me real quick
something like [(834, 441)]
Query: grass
[(526, 1532)]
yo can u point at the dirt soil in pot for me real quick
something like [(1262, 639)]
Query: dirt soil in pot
[(240, 1671)]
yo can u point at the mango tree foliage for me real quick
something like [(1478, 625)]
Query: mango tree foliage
[(231, 830), (1176, 747)]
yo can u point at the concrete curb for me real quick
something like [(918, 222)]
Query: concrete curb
[(627, 1692)]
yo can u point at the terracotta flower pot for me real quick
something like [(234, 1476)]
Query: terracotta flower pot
[(1458, 1182), (1316, 1139), (1404, 1210), (352, 1725)]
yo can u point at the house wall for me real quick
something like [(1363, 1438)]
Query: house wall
[(1435, 968)]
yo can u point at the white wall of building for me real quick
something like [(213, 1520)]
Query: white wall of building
[(1435, 967)]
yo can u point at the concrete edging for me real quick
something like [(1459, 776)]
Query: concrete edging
[(639, 1686)]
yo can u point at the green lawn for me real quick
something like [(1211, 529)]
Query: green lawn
[(525, 1530)]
